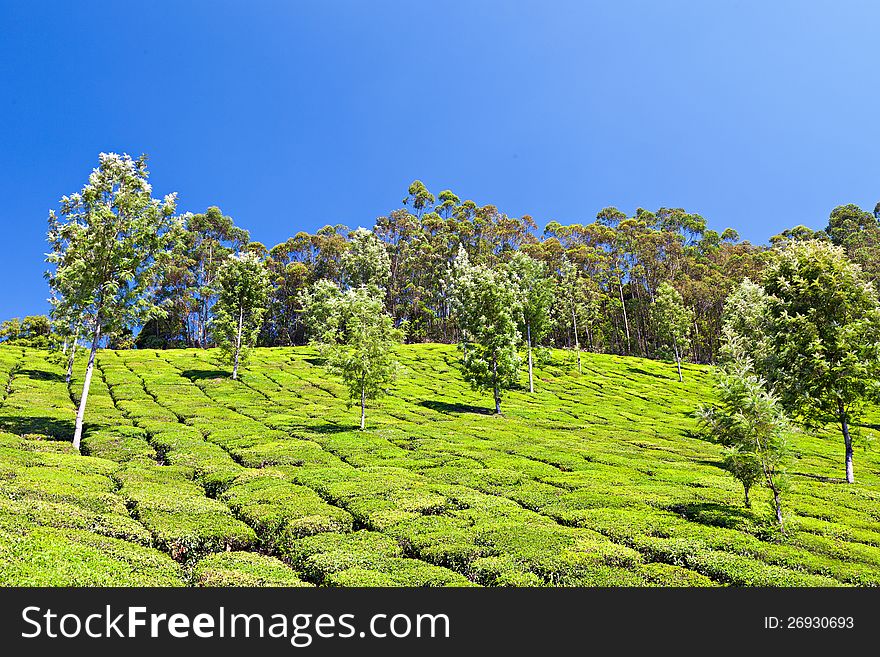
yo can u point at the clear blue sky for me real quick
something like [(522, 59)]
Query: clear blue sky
[(292, 115)]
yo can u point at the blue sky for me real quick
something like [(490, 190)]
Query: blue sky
[(292, 115)]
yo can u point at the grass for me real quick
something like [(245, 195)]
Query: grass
[(598, 479)]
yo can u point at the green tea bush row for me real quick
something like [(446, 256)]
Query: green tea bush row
[(244, 569)]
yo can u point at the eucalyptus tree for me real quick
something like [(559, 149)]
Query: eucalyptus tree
[(209, 239), (570, 293), (823, 336), (534, 293), (107, 238), (858, 232), (366, 260), (673, 320), (745, 325), (243, 294)]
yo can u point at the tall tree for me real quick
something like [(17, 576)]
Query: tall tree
[(744, 325), (357, 338), (824, 336), (486, 308), (243, 286), (858, 232), (366, 260), (570, 290), (534, 292), (108, 235), (209, 239), (673, 320)]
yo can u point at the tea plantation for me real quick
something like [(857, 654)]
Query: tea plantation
[(191, 479)]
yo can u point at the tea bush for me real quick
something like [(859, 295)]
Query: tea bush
[(598, 479)]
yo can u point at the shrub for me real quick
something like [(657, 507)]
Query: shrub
[(244, 569)]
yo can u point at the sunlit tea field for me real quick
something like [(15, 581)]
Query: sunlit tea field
[(598, 479)]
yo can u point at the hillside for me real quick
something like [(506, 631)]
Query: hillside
[(596, 479)]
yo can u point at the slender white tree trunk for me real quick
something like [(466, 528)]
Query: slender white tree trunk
[(496, 392), (577, 344), (625, 318), (677, 360), (238, 344), (81, 412), (529, 340), (70, 357), (777, 506), (363, 407)]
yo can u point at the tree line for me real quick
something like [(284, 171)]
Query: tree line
[(800, 342)]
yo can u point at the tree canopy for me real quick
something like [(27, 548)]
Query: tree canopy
[(104, 246), (243, 292), (823, 336), (486, 308)]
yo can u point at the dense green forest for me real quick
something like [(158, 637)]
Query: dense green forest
[(606, 271), (613, 264)]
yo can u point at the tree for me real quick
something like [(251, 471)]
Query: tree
[(366, 261), (823, 336), (673, 320), (65, 326), (534, 292), (210, 238), (10, 330), (744, 324), (243, 286), (858, 232), (357, 338), (486, 307), (749, 422), (107, 238), (570, 294)]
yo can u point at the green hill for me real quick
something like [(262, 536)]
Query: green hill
[(596, 479)]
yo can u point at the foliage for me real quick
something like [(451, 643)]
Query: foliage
[(243, 285), (104, 247), (32, 331), (672, 319), (486, 308), (595, 479), (824, 336), (357, 339), (534, 295), (188, 273), (744, 325), (858, 232), (244, 569), (749, 422), (365, 262)]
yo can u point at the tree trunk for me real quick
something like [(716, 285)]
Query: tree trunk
[(625, 318), (495, 391), (577, 344), (847, 440), (81, 412), (363, 407), (237, 344), (777, 505), (748, 502), (677, 360), (529, 340), (69, 373)]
